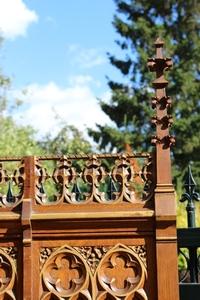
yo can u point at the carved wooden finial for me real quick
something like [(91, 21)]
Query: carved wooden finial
[(159, 41), (159, 64), (159, 48)]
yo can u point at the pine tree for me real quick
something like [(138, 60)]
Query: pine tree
[(139, 23)]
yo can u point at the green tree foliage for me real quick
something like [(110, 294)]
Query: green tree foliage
[(139, 23), (69, 140), (16, 140)]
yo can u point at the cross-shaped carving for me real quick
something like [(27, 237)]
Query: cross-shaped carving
[(121, 273), (5, 274), (65, 274)]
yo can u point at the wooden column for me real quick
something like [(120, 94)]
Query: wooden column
[(29, 192), (165, 213)]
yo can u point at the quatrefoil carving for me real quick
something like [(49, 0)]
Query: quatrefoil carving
[(64, 273), (120, 275), (121, 272)]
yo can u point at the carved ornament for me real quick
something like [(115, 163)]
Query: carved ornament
[(8, 274), (95, 273)]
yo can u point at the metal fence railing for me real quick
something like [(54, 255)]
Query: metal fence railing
[(189, 245)]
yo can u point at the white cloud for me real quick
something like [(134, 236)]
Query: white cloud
[(76, 104), (15, 17), (86, 58), (83, 80)]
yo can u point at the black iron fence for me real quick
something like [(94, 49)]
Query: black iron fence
[(189, 245)]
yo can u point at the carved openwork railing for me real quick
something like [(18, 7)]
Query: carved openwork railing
[(79, 179), (12, 176)]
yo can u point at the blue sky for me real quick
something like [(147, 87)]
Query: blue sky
[(55, 50)]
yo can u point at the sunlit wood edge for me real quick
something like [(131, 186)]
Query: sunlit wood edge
[(93, 215)]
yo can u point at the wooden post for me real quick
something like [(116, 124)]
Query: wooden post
[(166, 241), (29, 191)]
